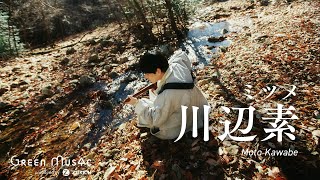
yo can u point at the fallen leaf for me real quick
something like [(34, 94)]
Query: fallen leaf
[(220, 151), (132, 168), (274, 172), (129, 155), (225, 159), (117, 176), (158, 165), (108, 172), (316, 133), (74, 126)]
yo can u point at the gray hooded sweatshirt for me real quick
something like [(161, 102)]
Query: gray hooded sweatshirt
[(163, 111)]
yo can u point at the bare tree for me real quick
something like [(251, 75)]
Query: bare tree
[(147, 27), (174, 27)]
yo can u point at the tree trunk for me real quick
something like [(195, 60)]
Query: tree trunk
[(123, 12), (174, 26), (9, 29), (141, 16), (12, 29), (153, 12)]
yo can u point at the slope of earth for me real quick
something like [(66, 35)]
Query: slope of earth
[(48, 107)]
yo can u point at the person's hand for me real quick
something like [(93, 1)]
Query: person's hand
[(131, 100)]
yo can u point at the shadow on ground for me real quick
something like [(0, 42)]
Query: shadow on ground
[(185, 159)]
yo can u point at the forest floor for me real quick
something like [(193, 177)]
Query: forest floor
[(52, 103)]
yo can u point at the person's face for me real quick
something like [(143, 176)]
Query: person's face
[(154, 77)]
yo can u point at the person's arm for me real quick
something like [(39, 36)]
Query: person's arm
[(153, 114), (132, 99)]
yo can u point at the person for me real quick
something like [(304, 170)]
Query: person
[(175, 88)]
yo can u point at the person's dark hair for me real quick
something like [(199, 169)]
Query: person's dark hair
[(150, 61)]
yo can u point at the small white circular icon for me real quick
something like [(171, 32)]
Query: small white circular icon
[(65, 172)]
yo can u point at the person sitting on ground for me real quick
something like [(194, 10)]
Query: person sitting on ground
[(175, 88)]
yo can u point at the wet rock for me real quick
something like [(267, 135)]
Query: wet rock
[(223, 49), (225, 31), (64, 61), (94, 58), (107, 68), (86, 80), (216, 39), (106, 104), (113, 75), (70, 51), (92, 42), (47, 91)]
